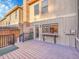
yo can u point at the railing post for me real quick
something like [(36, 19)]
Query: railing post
[(13, 39), (75, 43)]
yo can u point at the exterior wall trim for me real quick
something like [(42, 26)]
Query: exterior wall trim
[(56, 17)]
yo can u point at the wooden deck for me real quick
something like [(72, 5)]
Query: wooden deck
[(41, 50)]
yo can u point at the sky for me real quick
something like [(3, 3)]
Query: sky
[(6, 5)]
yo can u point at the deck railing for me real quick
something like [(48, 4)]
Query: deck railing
[(6, 40), (25, 36), (77, 43)]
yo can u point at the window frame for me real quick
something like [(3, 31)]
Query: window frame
[(15, 14), (50, 26), (44, 6), (36, 9)]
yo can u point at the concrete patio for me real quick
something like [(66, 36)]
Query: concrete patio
[(40, 50)]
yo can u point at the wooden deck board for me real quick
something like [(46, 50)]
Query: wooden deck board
[(5, 57), (1, 57), (41, 50), (10, 56)]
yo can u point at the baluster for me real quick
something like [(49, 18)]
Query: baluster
[(13, 39), (7, 41), (10, 39), (0, 41), (3, 40)]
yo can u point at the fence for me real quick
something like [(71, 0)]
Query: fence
[(6, 40)]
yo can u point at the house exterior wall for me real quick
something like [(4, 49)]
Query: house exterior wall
[(25, 11), (31, 15), (64, 13), (26, 23)]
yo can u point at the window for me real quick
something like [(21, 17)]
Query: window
[(9, 23), (50, 28), (36, 9), (15, 14), (53, 28), (44, 6), (45, 28), (37, 32)]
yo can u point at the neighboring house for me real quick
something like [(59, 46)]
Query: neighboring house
[(54, 21), (13, 17), (12, 23)]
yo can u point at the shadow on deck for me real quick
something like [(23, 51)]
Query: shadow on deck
[(33, 49)]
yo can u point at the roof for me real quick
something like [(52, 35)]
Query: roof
[(3, 19), (12, 10), (32, 1)]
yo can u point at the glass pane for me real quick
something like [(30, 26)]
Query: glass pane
[(44, 3), (45, 28), (36, 9), (44, 9), (54, 28)]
